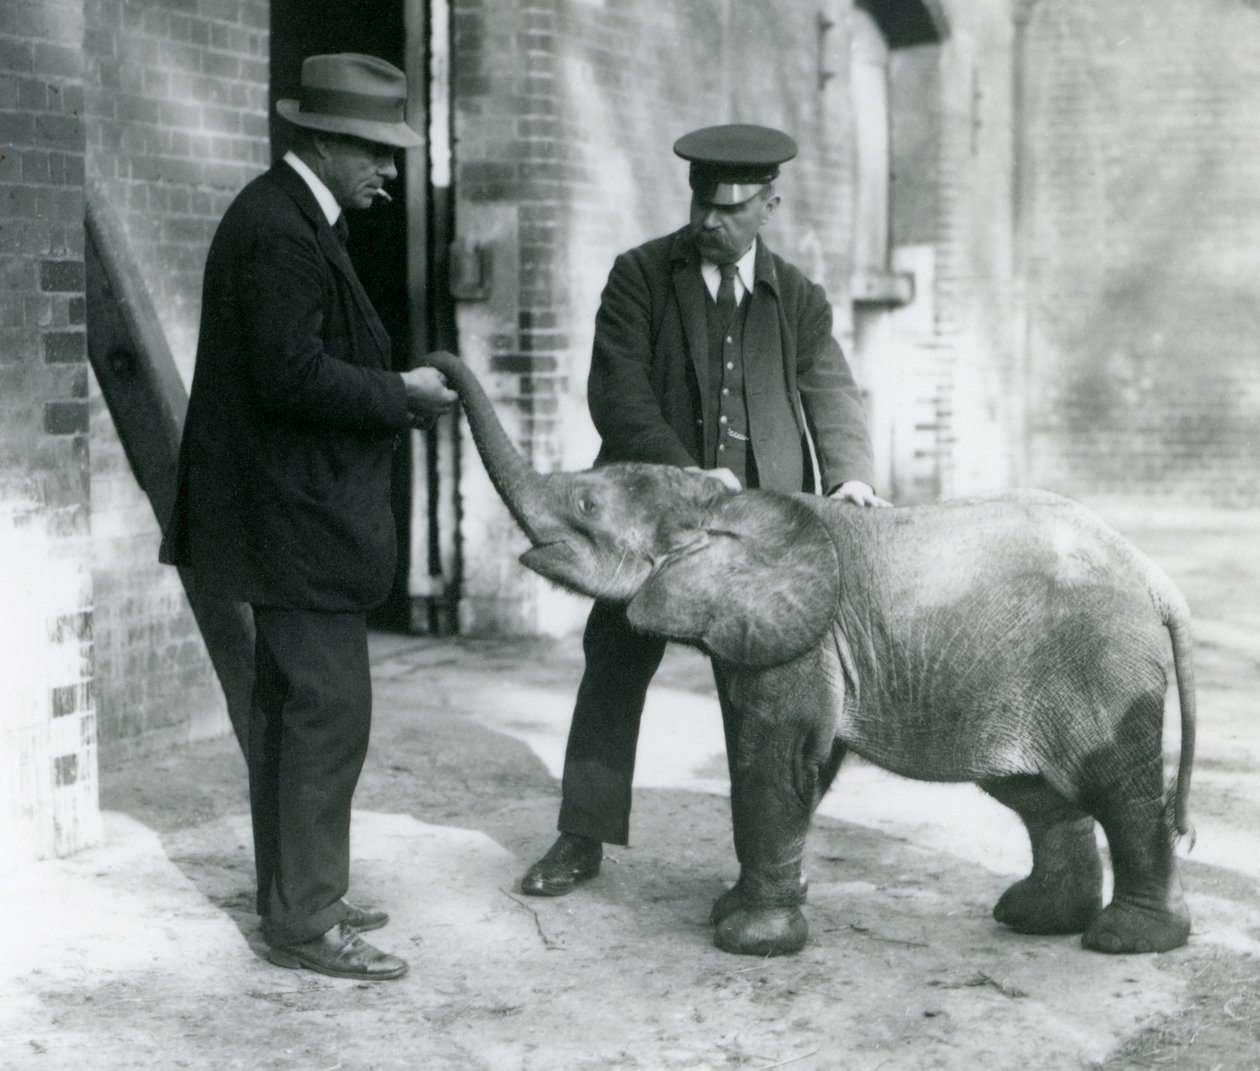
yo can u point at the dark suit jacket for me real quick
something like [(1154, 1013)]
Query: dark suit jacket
[(284, 469), (648, 389)]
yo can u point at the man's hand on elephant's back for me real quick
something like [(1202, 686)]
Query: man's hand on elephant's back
[(858, 493), (725, 477)]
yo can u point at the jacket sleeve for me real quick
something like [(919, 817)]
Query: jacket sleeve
[(623, 405), (834, 411), (294, 375)]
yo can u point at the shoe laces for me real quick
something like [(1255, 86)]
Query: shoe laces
[(350, 936)]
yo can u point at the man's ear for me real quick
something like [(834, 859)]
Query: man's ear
[(758, 584)]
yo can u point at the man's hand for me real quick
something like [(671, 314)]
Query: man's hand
[(427, 394), (724, 476), (859, 494)]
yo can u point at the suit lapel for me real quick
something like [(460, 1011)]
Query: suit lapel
[(336, 253), (296, 187), (762, 337), (691, 294)]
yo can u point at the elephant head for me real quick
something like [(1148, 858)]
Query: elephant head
[(750, 577)]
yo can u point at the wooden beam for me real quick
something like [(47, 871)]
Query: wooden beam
[(147, 401)]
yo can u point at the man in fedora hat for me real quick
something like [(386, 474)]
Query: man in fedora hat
[(283, 499), (710, 352)]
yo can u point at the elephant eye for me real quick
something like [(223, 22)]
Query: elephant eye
[(587, 506)]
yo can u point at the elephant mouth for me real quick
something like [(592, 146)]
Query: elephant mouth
[(554, 560)]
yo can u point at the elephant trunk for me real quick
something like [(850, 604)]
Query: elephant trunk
[(517, 483)]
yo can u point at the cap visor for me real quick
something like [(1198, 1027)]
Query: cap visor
[(725, 194)]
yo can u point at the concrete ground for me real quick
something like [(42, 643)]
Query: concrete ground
[(143, 953)]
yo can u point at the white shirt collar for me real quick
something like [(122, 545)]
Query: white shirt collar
[(332, 210), (744, 269)]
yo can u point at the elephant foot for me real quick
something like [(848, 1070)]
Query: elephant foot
[(733, 900), (1125, 928), (725, 905), (746, 931), (1033, 906)]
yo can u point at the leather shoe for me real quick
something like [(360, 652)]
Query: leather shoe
[(573, 858), (363, 918), (340, 953)]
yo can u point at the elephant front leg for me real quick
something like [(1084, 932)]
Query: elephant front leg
[(761, 915), (733, 898), (777, 769)]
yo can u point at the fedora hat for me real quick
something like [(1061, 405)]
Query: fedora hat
[(349, 93)]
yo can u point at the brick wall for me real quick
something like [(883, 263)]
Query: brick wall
[(176, 96), (976, 380), (1144, 248), (565, 116), (940, 369), (48, 757), (176, 118)]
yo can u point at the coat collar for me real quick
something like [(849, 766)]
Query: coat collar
[(684, 267), (332, 210), (296, 187), (764, 272)]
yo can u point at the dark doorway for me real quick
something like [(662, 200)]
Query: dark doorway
[(379, 237)]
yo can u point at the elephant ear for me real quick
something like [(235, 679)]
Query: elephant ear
[(756, 585)]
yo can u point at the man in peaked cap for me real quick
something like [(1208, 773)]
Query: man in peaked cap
[(710, 352), (283, 499)]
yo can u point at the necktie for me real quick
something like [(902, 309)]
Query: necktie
[(342, 228), (726, 294)]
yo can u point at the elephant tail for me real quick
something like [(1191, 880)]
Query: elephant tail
[(1177, 621)]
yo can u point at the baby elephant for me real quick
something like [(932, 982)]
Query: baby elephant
[(1014, 641)]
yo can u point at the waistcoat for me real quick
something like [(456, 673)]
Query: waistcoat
[(730, 437)]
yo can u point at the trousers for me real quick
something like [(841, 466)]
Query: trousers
[(310, 720), (604, 733)]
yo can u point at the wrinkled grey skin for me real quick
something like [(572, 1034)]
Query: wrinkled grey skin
[(1013, 641)]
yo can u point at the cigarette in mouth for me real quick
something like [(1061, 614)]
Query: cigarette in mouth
[(382, 195)]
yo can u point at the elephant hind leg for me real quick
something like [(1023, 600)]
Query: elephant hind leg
[(1147, 912), (829, 768), (1063, 894)]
